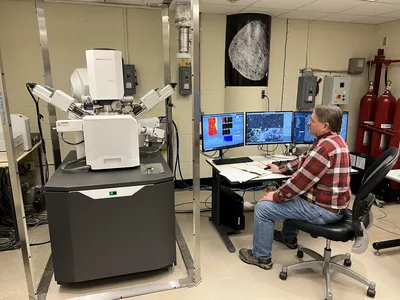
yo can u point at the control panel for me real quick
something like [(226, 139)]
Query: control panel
[(336, 90)]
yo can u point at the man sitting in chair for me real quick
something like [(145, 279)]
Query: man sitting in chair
[(317, 192)]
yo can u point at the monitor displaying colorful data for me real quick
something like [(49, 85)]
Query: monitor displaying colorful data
[(222, 131), (301, 131), (269, 127)]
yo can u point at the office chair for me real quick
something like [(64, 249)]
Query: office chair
[(353, 226)]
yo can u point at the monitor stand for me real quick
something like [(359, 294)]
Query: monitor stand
[(220, 154)]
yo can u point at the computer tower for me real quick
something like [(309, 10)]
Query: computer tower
[(231, 209)]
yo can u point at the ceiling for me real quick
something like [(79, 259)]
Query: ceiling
[(349, 11), (353, 11)]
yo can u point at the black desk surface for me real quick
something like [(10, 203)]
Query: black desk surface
[(108, 178)]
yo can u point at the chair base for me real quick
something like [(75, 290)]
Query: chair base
[(328, 263)]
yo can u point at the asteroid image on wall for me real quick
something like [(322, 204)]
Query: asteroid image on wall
[(247, 49)]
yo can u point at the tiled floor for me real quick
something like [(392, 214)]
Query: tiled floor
[(224, 276)]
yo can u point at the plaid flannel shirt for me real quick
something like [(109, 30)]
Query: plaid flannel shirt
[(321, 175)]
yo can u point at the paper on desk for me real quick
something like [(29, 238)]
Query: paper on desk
[(243, 173)]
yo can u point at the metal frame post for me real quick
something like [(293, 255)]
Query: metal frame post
[(196, 133), (16, 185), (167, 79), (48, 79)]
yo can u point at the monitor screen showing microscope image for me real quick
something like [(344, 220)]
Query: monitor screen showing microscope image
[(301, 131), (222, 131), (269, 127)]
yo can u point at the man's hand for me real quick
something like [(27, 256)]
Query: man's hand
[(268, 197), (273, 168)]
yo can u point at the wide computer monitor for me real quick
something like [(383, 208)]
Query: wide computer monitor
[(222, 131), (269, 127), (301, 131)]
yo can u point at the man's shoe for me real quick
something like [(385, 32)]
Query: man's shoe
[(290, 243), (246, 255)]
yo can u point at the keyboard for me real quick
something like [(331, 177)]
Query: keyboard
[(235, 160)]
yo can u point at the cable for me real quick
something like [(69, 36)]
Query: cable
[(39, 119), (386, 230), (80, 169), (209, 156), (386, 75), (308, 42), (154, 151), (268, 102), (284, 62), (381, 219), (39, 244), (69, 143)]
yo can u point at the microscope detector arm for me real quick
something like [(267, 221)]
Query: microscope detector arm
[(152, 98), (148, 126), (58, 99)]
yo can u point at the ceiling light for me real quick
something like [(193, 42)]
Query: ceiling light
[(232, 1)]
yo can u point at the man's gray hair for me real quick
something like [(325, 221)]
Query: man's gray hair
[(330, 114)]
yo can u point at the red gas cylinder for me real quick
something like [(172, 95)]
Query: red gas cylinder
[(395, 142), (366, 116), (384, 113)]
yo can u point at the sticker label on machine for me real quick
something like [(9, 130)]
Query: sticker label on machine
[(367, 138), (369, 122), (384, 142), (386, 126)]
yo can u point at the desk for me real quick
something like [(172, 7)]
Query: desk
[(4, 163), (395, 176), (216, 190)]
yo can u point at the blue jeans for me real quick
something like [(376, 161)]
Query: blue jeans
[(266, 213)]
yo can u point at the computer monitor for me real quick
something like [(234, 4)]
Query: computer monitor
[(222, 131), (301, 131), (269, 127)]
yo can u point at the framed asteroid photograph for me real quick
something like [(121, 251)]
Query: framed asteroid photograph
[(247, 49)]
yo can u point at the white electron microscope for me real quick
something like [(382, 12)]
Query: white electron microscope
[(105, 123)]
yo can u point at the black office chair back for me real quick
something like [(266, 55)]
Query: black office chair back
[(374, 174)]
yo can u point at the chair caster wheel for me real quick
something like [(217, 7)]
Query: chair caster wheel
[(300, 254), (347, 262), (283, 275), (329, 296), (371, 293)]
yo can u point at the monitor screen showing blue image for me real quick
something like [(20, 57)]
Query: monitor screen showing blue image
[(269, 127), (301, 131), (222, 131)]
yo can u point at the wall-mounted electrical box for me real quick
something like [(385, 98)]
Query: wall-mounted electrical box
[(306, 92), (336, 90), (356, 66), (130, 80), (185, 80)]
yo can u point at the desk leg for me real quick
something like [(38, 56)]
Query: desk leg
[(216, 211), (385, 245)]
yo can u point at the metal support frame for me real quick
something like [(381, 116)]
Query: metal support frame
[(195, 6), (167, 80), (48, 79), (192, 264), (16, 185)]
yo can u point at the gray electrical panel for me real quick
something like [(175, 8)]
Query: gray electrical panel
[(356, 66), (306, 92), (185, 80), (130, 80)]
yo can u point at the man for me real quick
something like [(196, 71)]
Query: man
[(318, 192)]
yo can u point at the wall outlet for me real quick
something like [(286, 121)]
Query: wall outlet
[(29, 166)]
